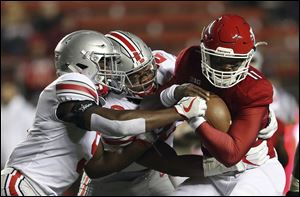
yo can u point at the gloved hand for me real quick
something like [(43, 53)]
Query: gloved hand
[(268, 132), (258, 155), (190, 107)]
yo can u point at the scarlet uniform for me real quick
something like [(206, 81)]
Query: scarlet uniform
[(254, 91), (135, 179), (54, 153), (246, 102)]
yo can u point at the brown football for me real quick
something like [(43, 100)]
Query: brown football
[(217, 113)]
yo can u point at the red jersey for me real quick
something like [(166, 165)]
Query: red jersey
[(248, 103)]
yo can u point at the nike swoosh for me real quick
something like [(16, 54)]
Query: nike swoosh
[(187, 109)]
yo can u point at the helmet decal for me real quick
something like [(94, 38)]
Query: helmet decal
[(137, 63), (127, 44)]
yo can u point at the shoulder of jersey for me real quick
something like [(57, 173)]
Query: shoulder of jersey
[(75, 86), (184, 54), (164, 54), (256, 88)]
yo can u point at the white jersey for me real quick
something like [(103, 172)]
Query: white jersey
[(166, 64), (54, 153)]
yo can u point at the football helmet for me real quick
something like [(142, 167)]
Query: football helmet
[(87, 52), (136, 62), (227, 47)]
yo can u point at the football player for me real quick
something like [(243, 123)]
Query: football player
[(140, 71), (221, 64), (64, 139), (143, 71)]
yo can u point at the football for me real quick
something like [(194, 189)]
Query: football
[(217, 113)]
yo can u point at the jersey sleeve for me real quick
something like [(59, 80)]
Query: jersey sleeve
[(166, 66), (75, 86)]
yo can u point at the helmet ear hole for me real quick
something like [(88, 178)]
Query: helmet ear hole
[(82, 66)]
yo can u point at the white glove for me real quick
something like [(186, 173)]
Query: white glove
[(190, 107), (268, 132), (258, 155), (149, 137)]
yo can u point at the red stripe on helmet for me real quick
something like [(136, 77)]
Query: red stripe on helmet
[(127, 44)]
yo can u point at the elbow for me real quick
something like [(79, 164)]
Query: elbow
[(228, 164), (230, 161), (229, 157)]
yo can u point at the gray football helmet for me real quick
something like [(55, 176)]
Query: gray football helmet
[(137, 64), (90, 53)]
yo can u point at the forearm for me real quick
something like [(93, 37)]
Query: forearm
[(89, 116), (130, 122), (171, 163), (229, 148), (110, 162), (219, 144)]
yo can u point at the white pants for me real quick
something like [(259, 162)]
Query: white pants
[(14, 183), (146, 183), (265, 180)]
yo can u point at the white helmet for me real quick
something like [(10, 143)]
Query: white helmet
[(87, 52), (137, 64)]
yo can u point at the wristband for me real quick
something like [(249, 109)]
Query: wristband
[(167, 96), (196, 122)]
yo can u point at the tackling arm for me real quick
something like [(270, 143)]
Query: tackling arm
[(171, 163), (89, 116), (104, 162)]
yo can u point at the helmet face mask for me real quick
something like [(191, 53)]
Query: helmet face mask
[(227, 47), (137, 63), (141, 81)]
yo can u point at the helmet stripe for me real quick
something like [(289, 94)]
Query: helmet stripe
[(125, 42)]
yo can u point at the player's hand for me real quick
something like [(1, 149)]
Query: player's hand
[(189, 89), (190, 107), (271, 128), (258, 155)]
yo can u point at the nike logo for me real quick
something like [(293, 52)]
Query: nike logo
[(187, 109)]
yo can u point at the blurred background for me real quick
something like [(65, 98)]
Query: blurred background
[(30, 31)]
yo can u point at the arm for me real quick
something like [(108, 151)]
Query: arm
[(89, 116), (171, 163), (229, 148), (104, 162), (167, 97)]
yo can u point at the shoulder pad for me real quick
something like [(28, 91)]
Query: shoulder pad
[(75, 86)]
